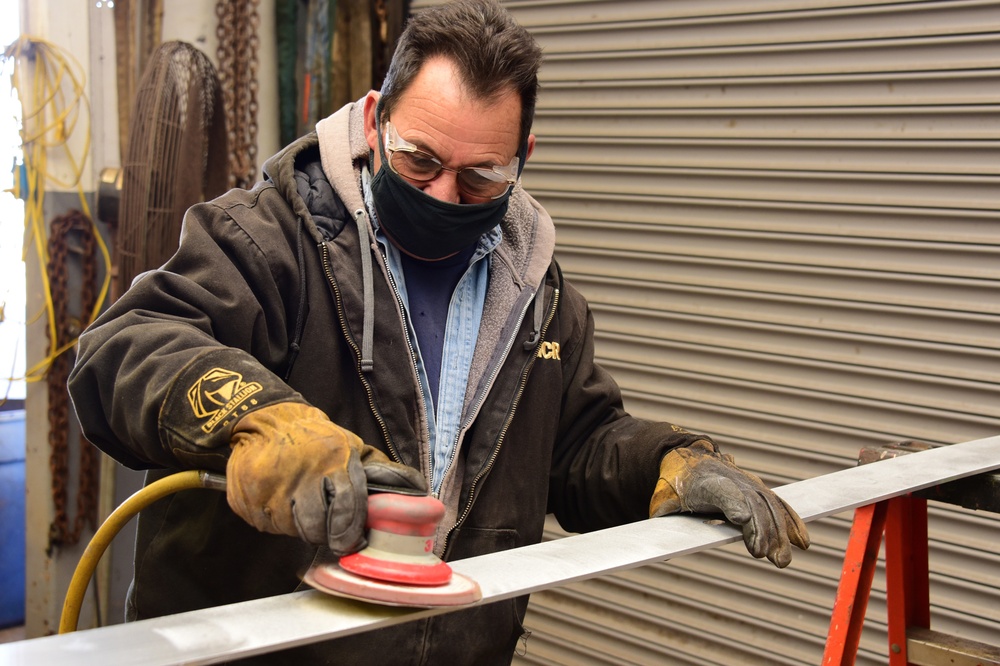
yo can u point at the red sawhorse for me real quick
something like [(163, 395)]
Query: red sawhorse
[(903, 521)]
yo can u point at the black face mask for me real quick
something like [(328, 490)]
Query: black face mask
[(425, 227)]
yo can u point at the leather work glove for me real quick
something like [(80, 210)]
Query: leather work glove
[(293, 471), (699, 479)]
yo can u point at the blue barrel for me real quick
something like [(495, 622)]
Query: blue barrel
[(11, 518)]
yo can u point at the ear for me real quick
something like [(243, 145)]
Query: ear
[(531, 147), (371, 133)]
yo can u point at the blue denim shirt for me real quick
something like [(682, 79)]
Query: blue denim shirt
[(460, 335)]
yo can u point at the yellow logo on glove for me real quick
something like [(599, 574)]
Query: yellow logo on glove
[(218, 394)]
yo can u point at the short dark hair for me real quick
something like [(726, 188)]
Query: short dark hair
[(493, 53)]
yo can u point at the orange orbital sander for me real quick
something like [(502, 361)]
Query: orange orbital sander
[(399, 567)]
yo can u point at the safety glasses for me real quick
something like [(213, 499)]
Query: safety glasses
[(413, 164)]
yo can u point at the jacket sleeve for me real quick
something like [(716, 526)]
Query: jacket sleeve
[(606, 462), (163, 374)]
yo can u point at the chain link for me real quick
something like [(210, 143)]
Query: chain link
[(71, 226), (237, 32)]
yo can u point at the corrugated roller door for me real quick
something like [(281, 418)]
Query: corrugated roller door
[(786, 216)]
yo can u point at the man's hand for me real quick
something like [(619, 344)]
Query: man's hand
[(293, 471), (699, 479)]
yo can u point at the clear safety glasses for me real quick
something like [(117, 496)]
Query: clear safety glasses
[(480, 182)]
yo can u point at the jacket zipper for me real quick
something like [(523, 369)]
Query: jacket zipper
[(325, 252), (416, 371), (462, 426), (481, 399), (506, 425)]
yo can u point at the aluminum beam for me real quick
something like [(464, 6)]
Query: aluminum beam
[(218, 634)]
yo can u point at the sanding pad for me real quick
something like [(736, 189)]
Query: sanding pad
[(331, 579)]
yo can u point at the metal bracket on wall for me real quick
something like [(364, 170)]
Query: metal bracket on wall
[(223, 633)]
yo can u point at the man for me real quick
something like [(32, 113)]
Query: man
[(385, 309)]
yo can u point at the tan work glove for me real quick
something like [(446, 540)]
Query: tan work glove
[(699, 479), (293, 471)]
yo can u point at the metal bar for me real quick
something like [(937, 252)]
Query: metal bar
[(855, 585), (219, 634), (906, 573), (926, 647), (981, 493)]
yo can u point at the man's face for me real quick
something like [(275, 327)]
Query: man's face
[(440, 119)]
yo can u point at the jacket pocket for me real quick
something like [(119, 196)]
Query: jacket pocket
[(472, 541), (502, 626)]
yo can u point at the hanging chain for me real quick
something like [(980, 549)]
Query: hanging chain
[(226, 33), (237, 32), (73, 226)]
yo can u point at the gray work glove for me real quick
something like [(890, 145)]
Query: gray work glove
[(699, 479), (293, 471)]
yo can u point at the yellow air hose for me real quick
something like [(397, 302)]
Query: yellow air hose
[(114, 523)]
